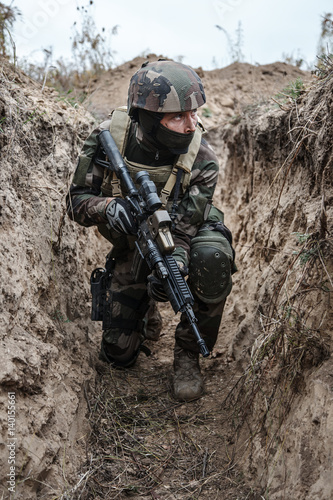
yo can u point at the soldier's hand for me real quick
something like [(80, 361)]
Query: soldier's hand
[(155, 288), (119, 216), (182, 268)]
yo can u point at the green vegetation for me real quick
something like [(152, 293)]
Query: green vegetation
[(2, 121), (292, 91), (324, 68), (58, 316), (207, 112)]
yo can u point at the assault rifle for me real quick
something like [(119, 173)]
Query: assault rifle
[(154, 241)]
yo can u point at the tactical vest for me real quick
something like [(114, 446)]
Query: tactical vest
[(163, 176)]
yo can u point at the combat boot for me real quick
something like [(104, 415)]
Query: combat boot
[(187, 382)]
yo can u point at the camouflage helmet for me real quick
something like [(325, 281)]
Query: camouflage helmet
[(165, 87)]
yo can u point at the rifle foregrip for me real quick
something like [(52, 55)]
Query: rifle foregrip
[(183, 289)]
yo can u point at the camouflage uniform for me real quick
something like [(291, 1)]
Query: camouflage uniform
[(195, 221)]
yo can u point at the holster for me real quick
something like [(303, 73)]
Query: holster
[(100, 282)]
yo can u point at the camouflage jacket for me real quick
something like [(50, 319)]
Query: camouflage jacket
[(86, 203)]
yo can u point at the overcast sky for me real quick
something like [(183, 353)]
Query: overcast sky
[(178, 28)]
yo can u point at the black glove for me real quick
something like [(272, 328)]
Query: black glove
[(155, 287), (119, 216)]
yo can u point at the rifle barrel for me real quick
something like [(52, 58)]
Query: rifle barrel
[(117, 162)]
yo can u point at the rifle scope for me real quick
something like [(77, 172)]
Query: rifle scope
[(148, 191)]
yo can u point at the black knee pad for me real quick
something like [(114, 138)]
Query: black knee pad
[(210, 266)]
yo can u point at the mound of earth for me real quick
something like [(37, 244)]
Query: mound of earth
[(229, 91), (75, 428)]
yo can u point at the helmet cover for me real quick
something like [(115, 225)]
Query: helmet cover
[(165, 87)]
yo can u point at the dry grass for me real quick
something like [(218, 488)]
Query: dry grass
[(292, 339), (144, 444), (324, 68)]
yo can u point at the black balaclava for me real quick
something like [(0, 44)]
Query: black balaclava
[(161, 137)]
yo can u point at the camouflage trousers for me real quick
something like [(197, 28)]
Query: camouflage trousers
[(135, 317)]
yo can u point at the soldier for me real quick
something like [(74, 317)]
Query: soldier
[(159, 132)]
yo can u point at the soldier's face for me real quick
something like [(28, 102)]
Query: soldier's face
[(184, 122)]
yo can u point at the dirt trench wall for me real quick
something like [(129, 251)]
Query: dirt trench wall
[(276, 190), (45, 338)]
